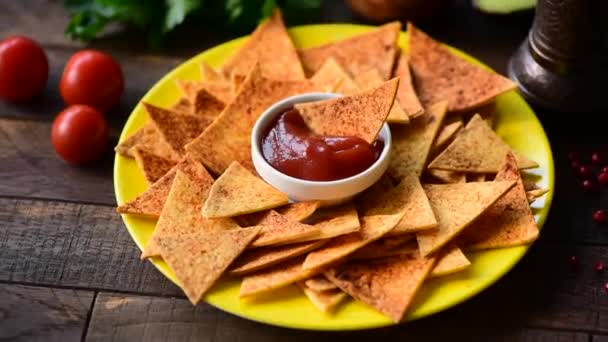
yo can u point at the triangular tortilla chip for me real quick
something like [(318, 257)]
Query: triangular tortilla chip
[(361, 115), (271, 46), (331, 77), (228, 138), (440, 75), (237, 191), (373, 50), (455, 207), (146, 138), (371, 79), (181, 213), (183, 105), (276, 277), (176, 129), (385, 247), (448, 177), (199, 259), (407, 199), (405, 93), (333, 222), (532, 195), (388, 285), (208, 73), (258, 258), (280, 230), (206, 105), (451, 261), (412, 143), (151, 202), (299, 211), (477, 149), (475, 177), (509, 222), (319, 283), (372, 228), (237, 80), (445, 135), (152, 166), (529, 184), (220, 89), (326, 301)]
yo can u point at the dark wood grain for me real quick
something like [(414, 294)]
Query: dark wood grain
[(42, 314), (77, 245), (118, 317), (600, 338)]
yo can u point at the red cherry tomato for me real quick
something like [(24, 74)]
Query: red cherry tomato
[(24, 69), (92, 78), (80, 134)]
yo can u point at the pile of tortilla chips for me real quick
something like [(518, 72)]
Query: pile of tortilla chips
[(453, 185)]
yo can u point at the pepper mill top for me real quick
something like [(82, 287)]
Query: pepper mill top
[(564, 60)]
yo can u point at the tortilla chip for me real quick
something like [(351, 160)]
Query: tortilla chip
[(299, 211), (372, 228), (209, 74), (181, 213), (451, 261), (448, 177), (406, 95), (146, 138), (326, 301), (388, 285), (175, 129), (271, 46), (237, 81), (319, 283), (227, 139), (184, 106), (371, 79), (333, 222), (152, 166), (199, 259), (532, 195), (151, 202), (445, 135), (206, 105), (220, 89), (509, 222), (455, 207), (477, 149), (280, 230), (358, 54), (440, 75), (475, 177), (237, 191), (276, 277), (331, 77), (360, 115), (258, 258), (530, 185), (412, 143), (386, 247), (407, 199)]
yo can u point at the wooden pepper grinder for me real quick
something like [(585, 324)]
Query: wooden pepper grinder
[(563, 64)]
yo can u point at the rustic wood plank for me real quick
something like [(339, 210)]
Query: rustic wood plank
[(42, 314), (118, 317), (29, 167), (600, 338), (67, 244)]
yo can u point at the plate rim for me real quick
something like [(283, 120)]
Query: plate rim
[(497, 277)]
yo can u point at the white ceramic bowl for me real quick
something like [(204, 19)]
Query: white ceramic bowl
[(328, 192)]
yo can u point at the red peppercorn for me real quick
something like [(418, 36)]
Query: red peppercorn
[(584, 171), (604, 169), (587, 185), (606, 287), (573, 156), (575, 164), (599, 216), (596, 158), (598, 266), (573, 261), (603, 178)]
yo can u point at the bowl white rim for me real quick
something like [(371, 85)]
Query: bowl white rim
[(273, 110)]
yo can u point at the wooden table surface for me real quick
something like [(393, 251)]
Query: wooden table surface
[(69, 270)]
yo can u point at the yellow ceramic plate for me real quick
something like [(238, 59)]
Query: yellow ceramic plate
[(516, 123)]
